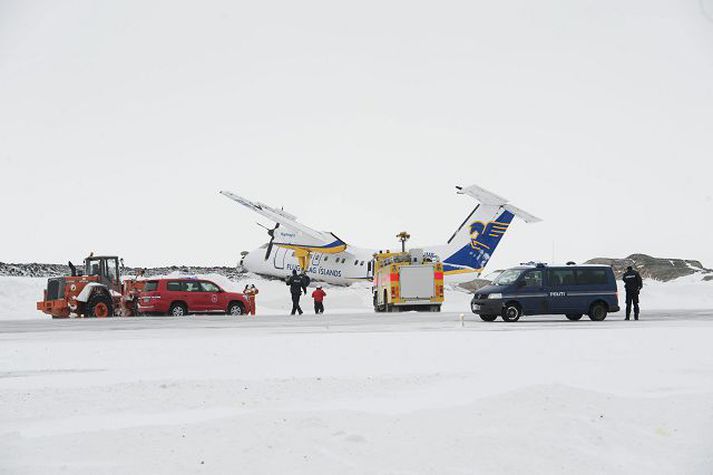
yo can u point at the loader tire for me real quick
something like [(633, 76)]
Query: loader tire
[(99, 305)]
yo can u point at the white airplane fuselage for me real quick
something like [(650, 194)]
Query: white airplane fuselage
[(342, 268)]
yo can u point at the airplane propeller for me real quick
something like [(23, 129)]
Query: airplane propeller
[(271, 233)]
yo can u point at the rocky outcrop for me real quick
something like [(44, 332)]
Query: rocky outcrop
[(656, 268), (55, 270)]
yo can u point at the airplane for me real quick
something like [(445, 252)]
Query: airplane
[(325, 257)]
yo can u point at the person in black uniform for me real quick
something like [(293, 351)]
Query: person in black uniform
[(632, 285), (297, 285)]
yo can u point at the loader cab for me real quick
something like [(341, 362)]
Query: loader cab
[(106, 268)]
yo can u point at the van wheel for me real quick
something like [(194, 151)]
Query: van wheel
[(488, 318), (573, 317), (235, 308), (598, 312), (177, 310), (512, 312)]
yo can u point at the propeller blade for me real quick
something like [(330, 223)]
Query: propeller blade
[(271, 233), (269, 248)]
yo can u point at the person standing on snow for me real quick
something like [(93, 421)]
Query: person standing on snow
[(632, 285), (250, 293), (297, 285), (318, 296)]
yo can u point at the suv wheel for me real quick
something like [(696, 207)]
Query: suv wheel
[(99, 305), (177, 310), (512, 312), (573, 317), (598, 312), (235, 308), (488, 318)]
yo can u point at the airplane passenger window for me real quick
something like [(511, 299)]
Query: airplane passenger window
[(326, 258), (356, 263), (361, 263)]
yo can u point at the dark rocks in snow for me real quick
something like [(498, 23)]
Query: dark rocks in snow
[(656, 268), (33, 270), (56, 270)]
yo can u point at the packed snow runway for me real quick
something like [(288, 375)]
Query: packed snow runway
[(357, 393)]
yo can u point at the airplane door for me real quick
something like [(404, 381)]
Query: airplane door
[(316, 259), (280, 256)]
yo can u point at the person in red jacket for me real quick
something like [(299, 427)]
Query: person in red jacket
[(318, 296)]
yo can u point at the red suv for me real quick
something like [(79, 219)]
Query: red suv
[(179, 297)]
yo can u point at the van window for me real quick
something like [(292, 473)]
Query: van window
[(591, 276), (192, 286), (151, 285), (173, 286), (533, 279), (561, 277)]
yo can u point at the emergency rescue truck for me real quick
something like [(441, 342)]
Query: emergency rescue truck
[(407, 281)]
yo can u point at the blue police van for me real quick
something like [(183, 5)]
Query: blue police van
[(571, 290)]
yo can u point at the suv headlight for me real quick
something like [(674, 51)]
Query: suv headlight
[(495, 296)]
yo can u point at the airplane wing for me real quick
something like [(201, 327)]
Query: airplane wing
[(289, 232)]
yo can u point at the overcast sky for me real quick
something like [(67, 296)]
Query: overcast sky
[(121, 121)]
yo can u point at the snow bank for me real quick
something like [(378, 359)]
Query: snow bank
[(686, 293), (18, 297), (19, 294)]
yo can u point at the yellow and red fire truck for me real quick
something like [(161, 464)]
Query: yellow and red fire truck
[(407, 281)]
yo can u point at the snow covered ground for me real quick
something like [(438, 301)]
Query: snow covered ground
[(19, 294), (356, 392)]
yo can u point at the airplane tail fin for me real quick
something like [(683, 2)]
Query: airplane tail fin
[(472, 245)]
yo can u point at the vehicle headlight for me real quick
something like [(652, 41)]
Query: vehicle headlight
[(495, 296)]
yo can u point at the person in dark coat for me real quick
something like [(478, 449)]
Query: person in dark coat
[(298, 285), (632, 285)]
